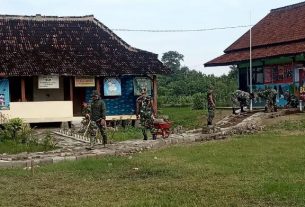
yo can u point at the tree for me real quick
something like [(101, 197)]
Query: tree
[(233, 74), (172, 60)]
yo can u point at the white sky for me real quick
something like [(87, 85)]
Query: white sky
[(197, 47)]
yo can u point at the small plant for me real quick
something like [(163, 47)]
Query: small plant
[(48, 142)]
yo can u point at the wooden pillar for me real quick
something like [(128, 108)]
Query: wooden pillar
[(71, 88), (155, 90), (23, 98), (98, 85)]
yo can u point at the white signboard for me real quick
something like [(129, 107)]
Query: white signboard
[(48, 82)]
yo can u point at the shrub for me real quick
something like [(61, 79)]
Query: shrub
[(199, 101), (48, 142), (11, 129)]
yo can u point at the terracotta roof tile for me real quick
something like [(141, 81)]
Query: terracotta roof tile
[(281, 32), (280, 25), (33, 45), (258, 53)]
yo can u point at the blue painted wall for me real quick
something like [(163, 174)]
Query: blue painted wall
[(119, 105)]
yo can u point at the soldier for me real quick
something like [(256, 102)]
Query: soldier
[(241, 99), (292, 100), (97, 117), (270, 96), (211, 106), (146, 113), (85, 120)]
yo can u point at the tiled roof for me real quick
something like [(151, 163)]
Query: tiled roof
[(279, 29), (34, 45), (258, 53)]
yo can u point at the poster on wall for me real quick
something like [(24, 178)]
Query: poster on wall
[(4, 94), (48, 82), (84, 82), (112, 87), (140, 83)]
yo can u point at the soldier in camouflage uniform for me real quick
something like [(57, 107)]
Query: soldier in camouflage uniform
[(146, 113), (211, 106), (270, 96), (97, 118), (240, 99), (85, 120), (292, 100)]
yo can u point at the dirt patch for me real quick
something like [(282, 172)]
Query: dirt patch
[(233, 120), (289, 116)]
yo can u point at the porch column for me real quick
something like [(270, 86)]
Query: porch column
[(98, 85), (23, 98), (155, 104), (71, 88)]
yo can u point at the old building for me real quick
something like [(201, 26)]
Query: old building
[(278, 47), (49, 66)]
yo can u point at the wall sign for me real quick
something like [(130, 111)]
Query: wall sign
[(112, 87), (48, 82), (140, 83), (4, 94), (84, 81)]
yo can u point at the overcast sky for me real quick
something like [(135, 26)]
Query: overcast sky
[(197, 47)]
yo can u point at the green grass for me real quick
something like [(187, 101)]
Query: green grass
[(265, 169), (126, 133), (11, 147), (188, 118)]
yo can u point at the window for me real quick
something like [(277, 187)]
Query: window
[(257, 75)]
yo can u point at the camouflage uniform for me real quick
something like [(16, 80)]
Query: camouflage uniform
[(240, 99), (85, 120), (211, 106), (145, 110), (270, 96), (97, 113), (292, 100)]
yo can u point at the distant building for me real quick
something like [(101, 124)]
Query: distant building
[(49, 66), (278, 47)]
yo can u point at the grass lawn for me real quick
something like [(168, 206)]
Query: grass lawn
[(11, 147), (180, 116), (190, 119), (126, 133), (266, 169)]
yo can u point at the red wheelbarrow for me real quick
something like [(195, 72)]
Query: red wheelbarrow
[(163, 128)]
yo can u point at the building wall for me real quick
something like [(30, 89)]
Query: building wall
[(35, 112), (282, 76), (48, 94)]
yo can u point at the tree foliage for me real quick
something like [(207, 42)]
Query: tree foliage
[(185, 82)]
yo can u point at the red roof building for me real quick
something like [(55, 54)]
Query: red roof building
[(278, 47)]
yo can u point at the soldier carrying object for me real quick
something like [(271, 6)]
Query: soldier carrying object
[(97, 118), (240, 99), (146, 113), (211, 105)]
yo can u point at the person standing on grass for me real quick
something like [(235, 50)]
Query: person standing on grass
[(146, 113), (211, 106), (97, 118)]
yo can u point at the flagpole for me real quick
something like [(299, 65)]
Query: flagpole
[(251, 106)]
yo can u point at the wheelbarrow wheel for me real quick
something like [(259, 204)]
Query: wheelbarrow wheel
[(165, 133)]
